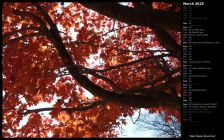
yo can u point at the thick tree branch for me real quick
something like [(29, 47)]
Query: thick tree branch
[(169, 84), (139, 5), (156, 18), (168, 42)]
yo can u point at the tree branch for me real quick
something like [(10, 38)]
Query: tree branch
[(139, 114), (118, 49), (7, 35), (69, 110), (156, 18), (84, 70), (22, 37), (33, 17), (169, 84), (151, 58), (110, 32), (168, 42), (149, 82)]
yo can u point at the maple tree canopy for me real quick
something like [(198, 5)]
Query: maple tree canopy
[(126, 56)]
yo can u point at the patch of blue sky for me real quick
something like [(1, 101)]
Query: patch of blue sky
[(132, 130)]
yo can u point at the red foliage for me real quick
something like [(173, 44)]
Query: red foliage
[(33, 71)]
